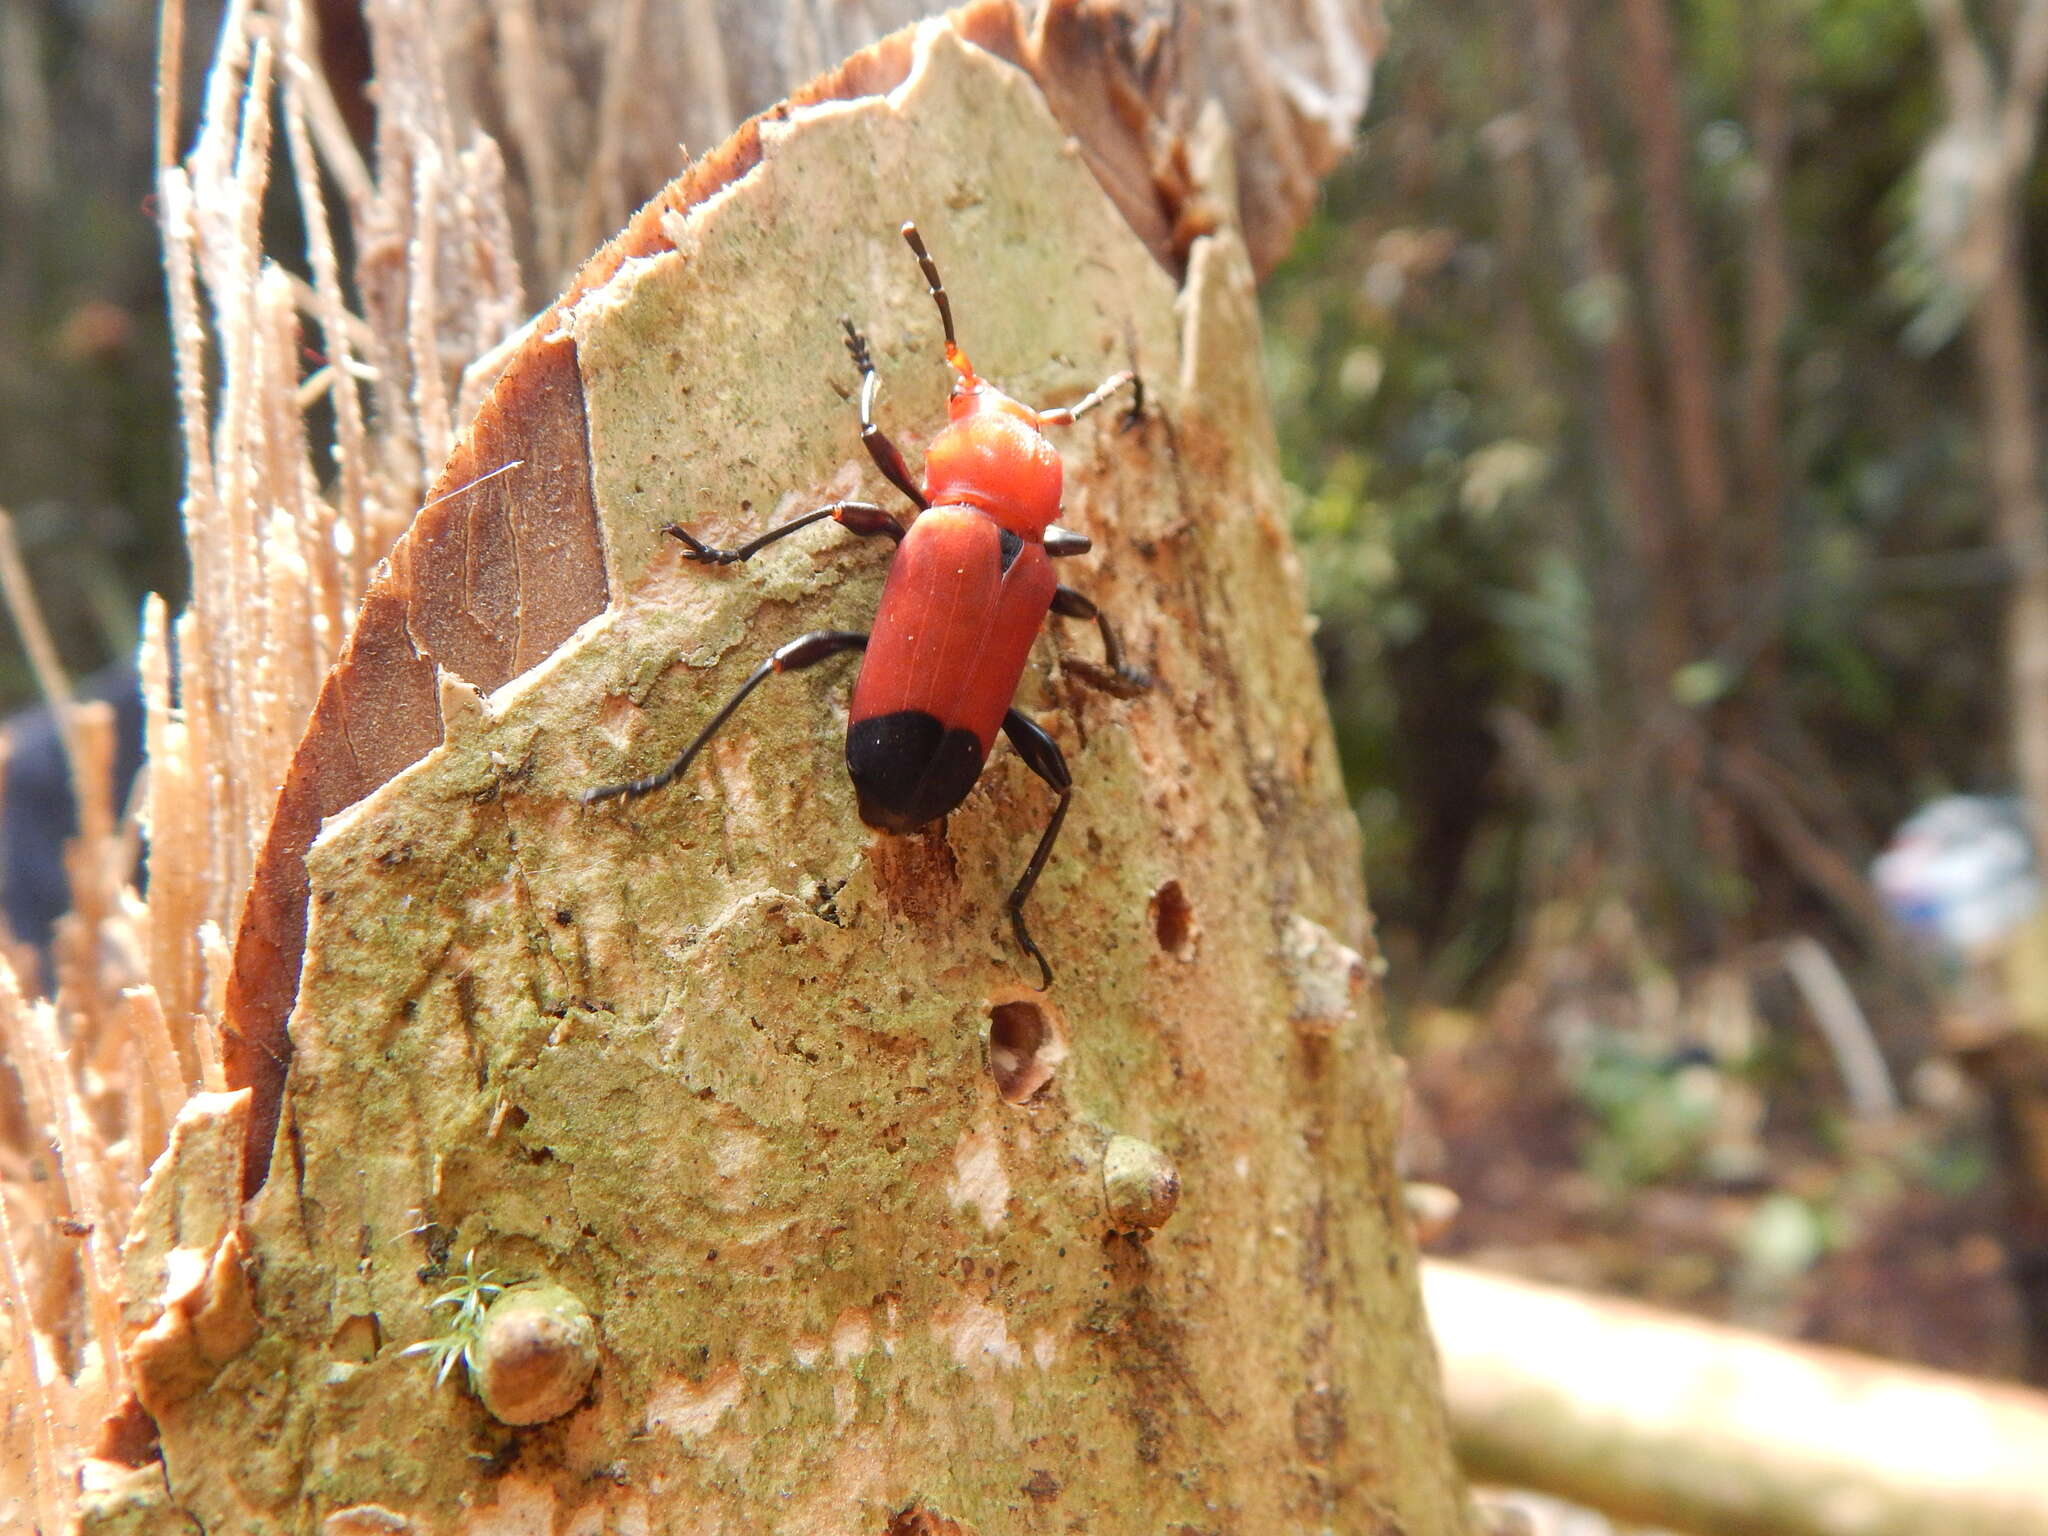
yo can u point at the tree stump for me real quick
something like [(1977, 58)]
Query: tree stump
[(871, 1235)]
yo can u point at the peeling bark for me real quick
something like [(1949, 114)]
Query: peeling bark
[(747, 1081)]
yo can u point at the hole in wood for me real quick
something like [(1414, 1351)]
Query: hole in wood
[(1173, 920), (1022, 1050), (919, 1519)]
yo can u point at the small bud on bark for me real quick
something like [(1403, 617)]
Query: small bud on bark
[(534, 1355), (1139, 1184)]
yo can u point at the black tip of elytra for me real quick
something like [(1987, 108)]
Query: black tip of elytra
[(909, 768)]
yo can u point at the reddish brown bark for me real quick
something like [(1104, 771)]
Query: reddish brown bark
[(502, 566)]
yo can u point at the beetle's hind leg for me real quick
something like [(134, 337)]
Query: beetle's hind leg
[(1042, 755), (1116, 675), (804, 651), (887, 456)]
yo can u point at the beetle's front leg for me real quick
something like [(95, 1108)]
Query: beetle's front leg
[(887, 456)]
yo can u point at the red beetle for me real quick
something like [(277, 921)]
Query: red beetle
[(970, 584)]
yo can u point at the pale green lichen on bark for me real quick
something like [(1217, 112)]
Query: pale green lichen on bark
[(715, 1061)]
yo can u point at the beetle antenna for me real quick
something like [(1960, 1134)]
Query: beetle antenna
[(937, 289), (931, 280)]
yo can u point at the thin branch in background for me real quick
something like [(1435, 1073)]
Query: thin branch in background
[(95, 879), (1985, 259), (1678, 307), (1766, 316), (1756, 785), (1842, 1023), (338, 155), (27, 613), (165, 1086), (1637, 583), (27, 152), (2026, 82), (429, 397)]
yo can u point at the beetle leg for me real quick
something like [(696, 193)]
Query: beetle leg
[(1042, 756), (803, 651), (888, 458), (1064, 541), (1135, 416), (861, 517), (1067, 415), (1116, 676)]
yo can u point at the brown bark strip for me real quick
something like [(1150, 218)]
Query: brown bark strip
[(492, 576)]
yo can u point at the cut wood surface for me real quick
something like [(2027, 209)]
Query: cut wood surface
[(1683, 1424), (766, 1097)]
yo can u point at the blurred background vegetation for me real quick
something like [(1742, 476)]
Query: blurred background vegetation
[(1640, 383), (89, 460), (1491, 584), (1628, 384)]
